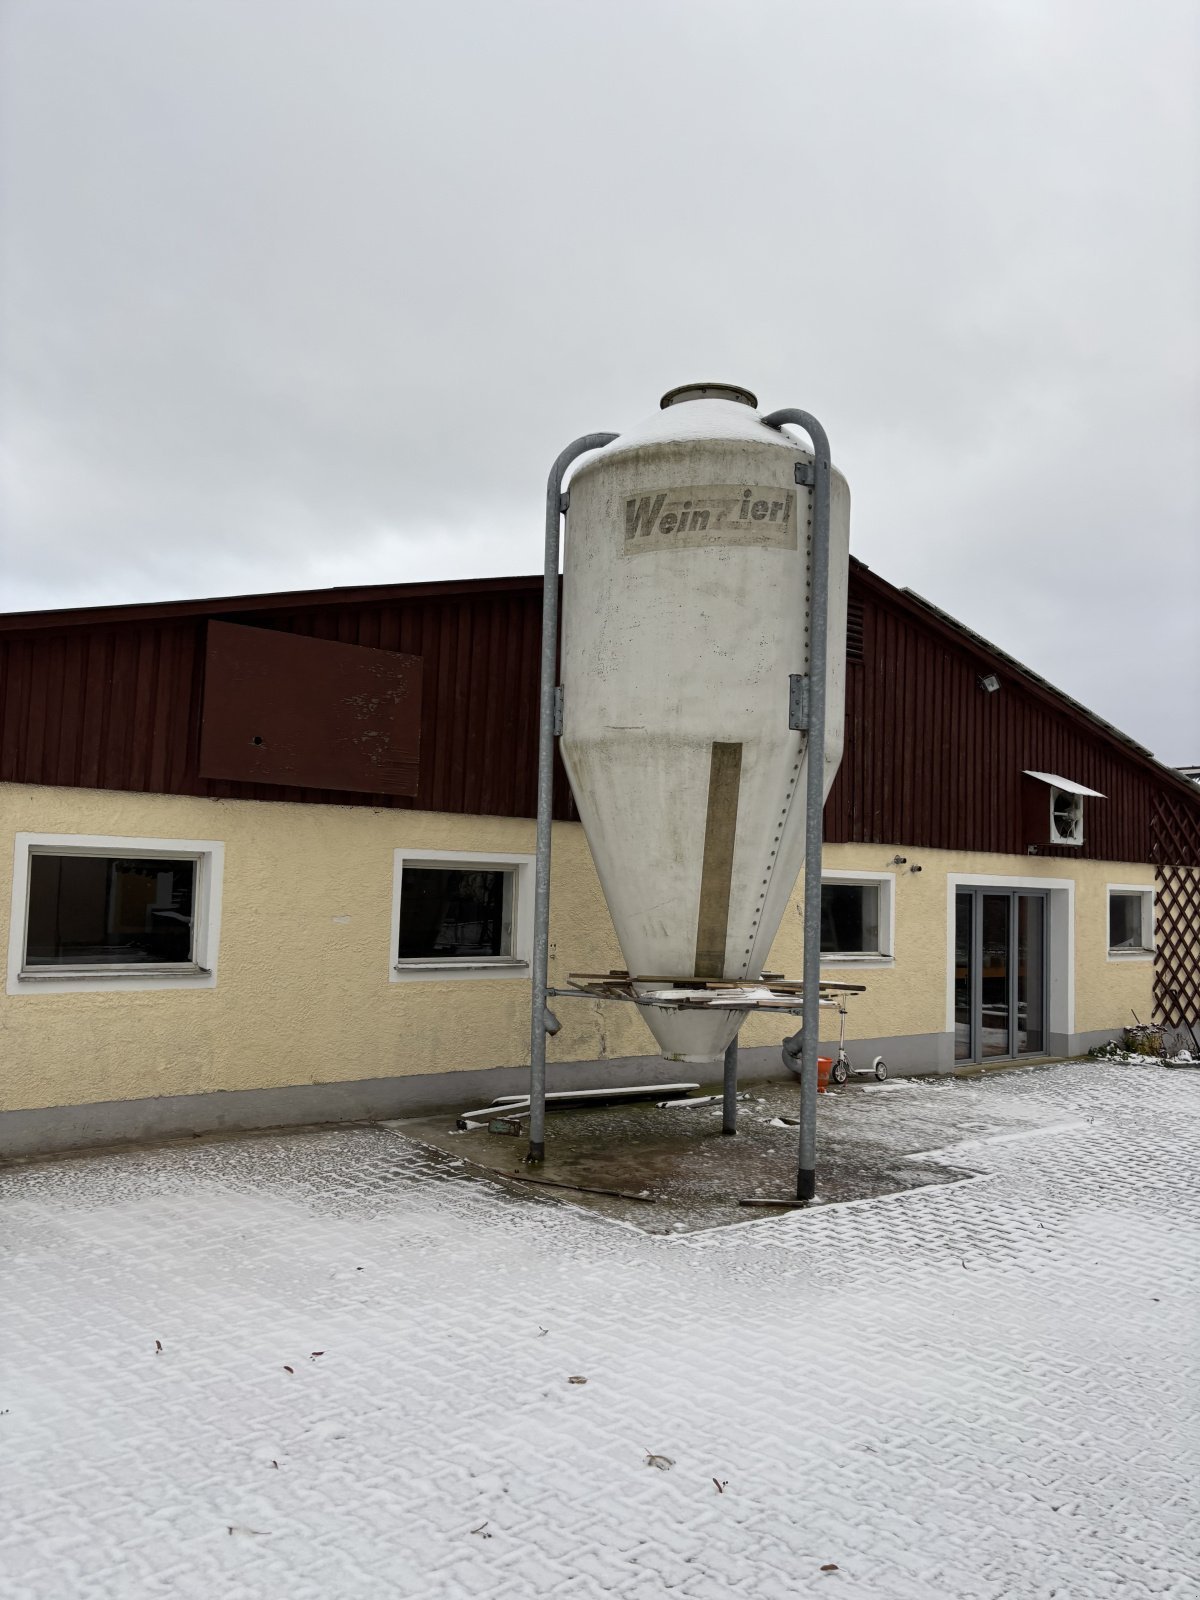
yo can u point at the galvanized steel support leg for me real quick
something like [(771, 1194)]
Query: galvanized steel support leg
[(545, 791), (729, 1098), (806, 1175)]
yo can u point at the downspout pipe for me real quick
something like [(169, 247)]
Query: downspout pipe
[(540, 1019), (806, 1173)]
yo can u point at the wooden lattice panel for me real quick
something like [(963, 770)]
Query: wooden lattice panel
[(1177, 945)]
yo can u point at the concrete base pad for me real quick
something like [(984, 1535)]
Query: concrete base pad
[(669, 1169)]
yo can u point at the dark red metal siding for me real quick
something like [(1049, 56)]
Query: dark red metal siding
[(933, 760), (117, 705), (104, 708)]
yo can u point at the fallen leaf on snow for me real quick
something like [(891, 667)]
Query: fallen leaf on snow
[(289, 1369), (830, 1566), (576, 1380), (663, 1463), (158, 1347)]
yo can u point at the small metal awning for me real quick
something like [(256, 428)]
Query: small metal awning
[(1068, 784)]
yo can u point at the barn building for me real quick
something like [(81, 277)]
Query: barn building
[(269, 860)]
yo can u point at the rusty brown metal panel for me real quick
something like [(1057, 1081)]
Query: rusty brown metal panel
[(283, 709)]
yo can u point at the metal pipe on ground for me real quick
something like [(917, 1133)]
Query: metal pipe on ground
[(806, 1173)]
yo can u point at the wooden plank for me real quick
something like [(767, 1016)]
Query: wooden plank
[(577, 1188), (716, 872)]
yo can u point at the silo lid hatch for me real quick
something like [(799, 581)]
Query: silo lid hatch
[(709, 391)]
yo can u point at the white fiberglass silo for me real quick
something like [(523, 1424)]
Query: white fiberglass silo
[(686, 610)]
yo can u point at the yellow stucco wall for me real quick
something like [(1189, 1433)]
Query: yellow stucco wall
[(303, 994), (911, 996)]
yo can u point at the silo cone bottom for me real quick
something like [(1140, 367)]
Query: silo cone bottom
[(696, 1036)]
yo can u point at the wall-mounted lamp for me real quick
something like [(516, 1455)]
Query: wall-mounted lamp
[(897, 861), (991, 683), (915, 869)]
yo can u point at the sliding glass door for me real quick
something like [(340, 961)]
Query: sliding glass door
[(1029, 1016), (999, 974)]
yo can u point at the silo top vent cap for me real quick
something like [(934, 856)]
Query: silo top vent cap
[(709, 391)]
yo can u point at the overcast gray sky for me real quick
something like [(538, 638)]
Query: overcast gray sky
[(301, 292)]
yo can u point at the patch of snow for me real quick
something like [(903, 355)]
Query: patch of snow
[(1025, 1427)]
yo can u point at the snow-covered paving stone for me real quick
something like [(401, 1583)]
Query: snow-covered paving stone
[(981, 1390)]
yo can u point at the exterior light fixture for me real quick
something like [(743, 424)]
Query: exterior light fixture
[(991, 683)]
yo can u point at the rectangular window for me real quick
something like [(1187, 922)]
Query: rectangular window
[(851, 918), (1130, 921), (451, 913), (90, 913), (103, 911), (456, 914)]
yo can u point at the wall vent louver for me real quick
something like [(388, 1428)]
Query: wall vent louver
[(854, 630)]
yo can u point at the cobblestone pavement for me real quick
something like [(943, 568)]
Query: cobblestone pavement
[(979, 1390)]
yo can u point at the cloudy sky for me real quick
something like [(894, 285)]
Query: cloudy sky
[(300, 292)]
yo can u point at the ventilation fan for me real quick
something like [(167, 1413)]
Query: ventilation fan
[(1066, 817)]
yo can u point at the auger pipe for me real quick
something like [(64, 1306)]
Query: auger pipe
[(545, 789), (806, 1174)]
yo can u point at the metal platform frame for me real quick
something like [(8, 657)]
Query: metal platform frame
[(807, 715)]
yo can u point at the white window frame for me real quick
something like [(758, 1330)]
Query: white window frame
[(199, 973), (885, 882), (441, 968), (1060, 947), (1146, 894)]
